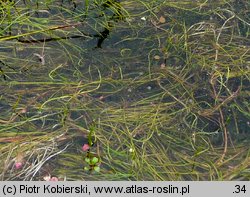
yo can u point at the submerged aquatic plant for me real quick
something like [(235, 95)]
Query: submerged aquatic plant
[(90, 159), (93, 164)]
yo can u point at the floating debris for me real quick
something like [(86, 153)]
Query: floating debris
[(162, 19)]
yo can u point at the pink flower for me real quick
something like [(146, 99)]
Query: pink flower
[(18, 165), (85, 147), (53, 179)]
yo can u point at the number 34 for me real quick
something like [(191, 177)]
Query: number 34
[(240, 189)]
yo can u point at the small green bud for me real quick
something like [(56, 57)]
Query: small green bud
[(94, 160), (87, 160), (97, 168)]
